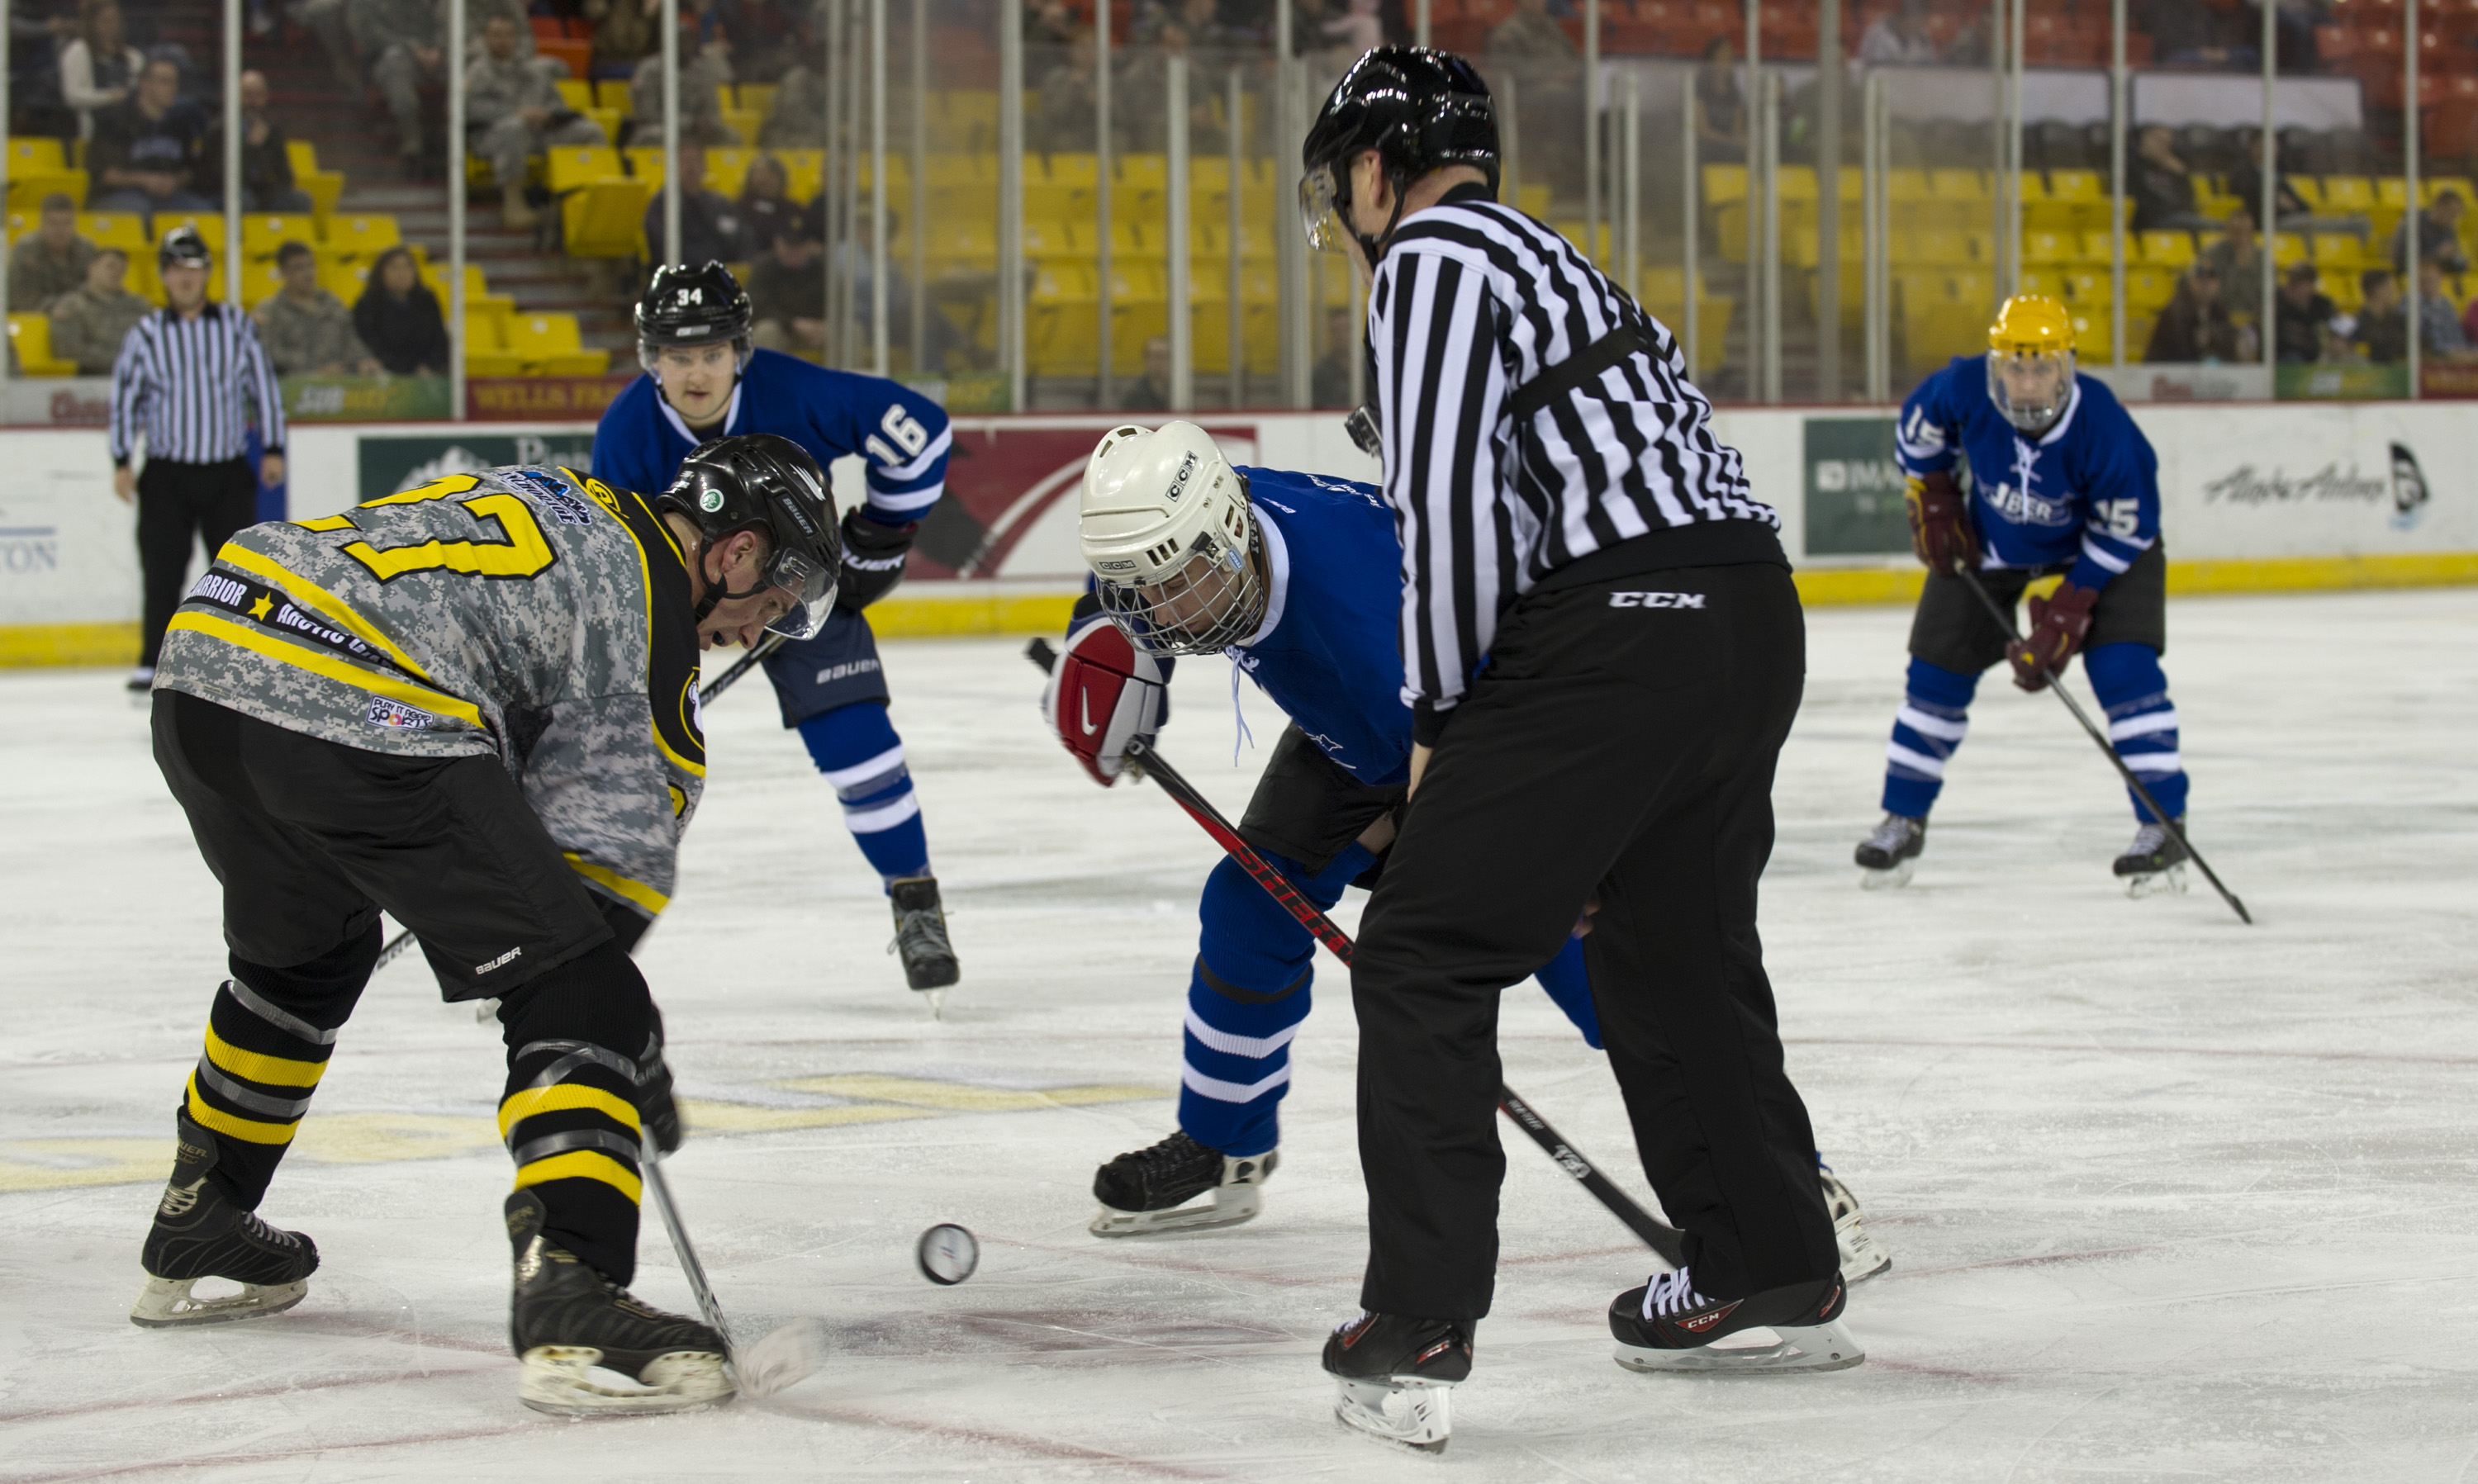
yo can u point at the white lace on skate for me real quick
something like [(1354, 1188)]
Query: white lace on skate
[(1671, 1293), (1861, 1256), (1825, 1346), (1417, 1415)]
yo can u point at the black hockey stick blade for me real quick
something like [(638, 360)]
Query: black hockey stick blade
[(2055, 683), (784, 1356), (755, 657)]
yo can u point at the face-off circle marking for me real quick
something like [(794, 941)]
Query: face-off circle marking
[(948, 1254)]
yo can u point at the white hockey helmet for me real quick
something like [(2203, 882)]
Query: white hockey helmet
[(1166, 527)]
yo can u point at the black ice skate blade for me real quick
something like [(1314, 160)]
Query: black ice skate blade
[(164, 1303)]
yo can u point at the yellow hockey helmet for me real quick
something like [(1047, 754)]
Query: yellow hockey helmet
[(2030, 361)]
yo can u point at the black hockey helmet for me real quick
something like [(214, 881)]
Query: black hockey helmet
[(183, 247), (759, 482), (685, 306), (1420, 108)]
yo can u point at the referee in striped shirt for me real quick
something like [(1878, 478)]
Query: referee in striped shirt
[(1603, 652), (187, 378)]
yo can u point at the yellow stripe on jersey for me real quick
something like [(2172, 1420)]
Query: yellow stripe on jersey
[(332, 668), (259, 1067), (247, 1130), (620, 885), (561, 1097), (312, 595), (582, 1165), (645, 576)]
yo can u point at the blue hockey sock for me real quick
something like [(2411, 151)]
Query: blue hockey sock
[(1246, 998), (2142, 721), (1933, 719), (1567, 983), (856, 748)]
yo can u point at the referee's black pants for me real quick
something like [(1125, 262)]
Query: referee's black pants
[(1618, 748), (177, 502)]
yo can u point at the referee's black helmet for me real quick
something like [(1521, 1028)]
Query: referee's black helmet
[(1420, 108), (760, 482), (183, 247), (685, 306)]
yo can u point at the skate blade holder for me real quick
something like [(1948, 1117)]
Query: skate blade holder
[(1897, 874), (1407, 1411), (167, 1303), (1794, 1349), (569, 1380), (2157, 883), (1230, 1206)]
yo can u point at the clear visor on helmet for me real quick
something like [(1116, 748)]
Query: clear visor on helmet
[(1211, 602), (2031, 388), (1321, 207), (812, 587)]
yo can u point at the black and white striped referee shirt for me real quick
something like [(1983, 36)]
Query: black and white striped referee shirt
[(186, 384), (1473, 301)]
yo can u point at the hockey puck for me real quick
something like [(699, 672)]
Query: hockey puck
[(948, 1254)]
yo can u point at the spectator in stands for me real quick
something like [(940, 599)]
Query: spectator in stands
[(2294, 23), (800, 117), (1351, 30), (51, 261), (2380, 333), (788, 289), (711, 230), (2439, 235), (90, 322), (2195, 326), (1968, 47), (477, 24), (144, 153), (766, 210), (2237, 257), (1899, 37), (2162, 187), (1049, 24), (1720, 106), (768, 36), (2291, 211), (99, 67), (2187, 34), (405, 44), (266, 164), (308, 331), (1207, 26), (1069, 112), (331, 22), (1330, 379), (702, 74), (398, 318), (1151, 392), (2303, 315), (1141, 114), (2440, 336), (513, 114), (625, 32), (1533, 47)]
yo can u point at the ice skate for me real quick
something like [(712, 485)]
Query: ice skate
[(590, 1348), (1667, 1327), (1396, 1377), (1885, 857), (1862, 1258), (200, 1234), (2155, 861), (1147, 1190), (920, 936)]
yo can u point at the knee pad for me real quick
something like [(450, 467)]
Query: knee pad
[(1938, 685), (2125, 675)]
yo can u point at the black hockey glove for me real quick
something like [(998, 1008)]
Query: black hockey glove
[(874, 557), (656, 1109)]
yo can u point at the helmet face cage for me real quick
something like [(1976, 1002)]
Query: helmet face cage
[(2030, 415), (1320, 210), (1204, 604), (1420, 108)]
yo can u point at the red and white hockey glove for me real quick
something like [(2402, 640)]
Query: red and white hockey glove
[(1103, 694)]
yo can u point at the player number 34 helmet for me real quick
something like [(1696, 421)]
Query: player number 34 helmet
[(759, 482), (2031, 362), (1167, 530)]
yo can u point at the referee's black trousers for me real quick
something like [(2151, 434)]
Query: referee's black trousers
[(177, 503), (1619, 746)]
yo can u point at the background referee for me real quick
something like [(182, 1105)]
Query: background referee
[(1604, 651), (185, 377)]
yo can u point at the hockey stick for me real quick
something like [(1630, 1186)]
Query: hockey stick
[(1665, 1239), (403, 940), (2055, 683), (786, 1356)]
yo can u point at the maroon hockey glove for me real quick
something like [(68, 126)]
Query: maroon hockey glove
[(1103, 694), (2058, 626), (1940, 523)]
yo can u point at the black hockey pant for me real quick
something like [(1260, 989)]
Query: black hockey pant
[(179, 503), (311, 840), (1618, 748)]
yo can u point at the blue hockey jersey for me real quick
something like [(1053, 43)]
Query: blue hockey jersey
[(902, 436), (2086, 491)]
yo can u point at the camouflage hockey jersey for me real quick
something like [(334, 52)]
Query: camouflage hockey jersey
[(530, 613)]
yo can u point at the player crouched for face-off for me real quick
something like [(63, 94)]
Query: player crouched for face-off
[(2062, 482), (471, 705)]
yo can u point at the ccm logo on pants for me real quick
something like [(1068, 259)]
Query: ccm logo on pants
[(1655, 600)]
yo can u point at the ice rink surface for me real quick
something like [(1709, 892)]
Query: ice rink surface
[(2168, 1197)]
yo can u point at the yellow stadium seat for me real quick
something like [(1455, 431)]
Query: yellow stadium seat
[(2347, 194), (1959, 186), (2087, 286), (570, 166), (2338, 250), (970, 242), (323, 186), (124, 230), (1061, 325), (2092, 341), (1723, 183), (646, 163), (2288, 247), (39, 167), (2148, 287), (362, 238), (486, 348), (31, 337), (757, 97), (1058, 238), (262, 234), (36, 155), (577, 92), (2167, 249), (548, 344), (260, 282), (2056, 247), (744, 122), (344, 280), (2343, 287), (604, 218), (612, 94)]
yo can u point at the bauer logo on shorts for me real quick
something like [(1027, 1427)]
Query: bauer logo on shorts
[(501, 961), (1655, 600), (397, 717)]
